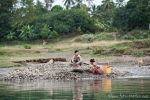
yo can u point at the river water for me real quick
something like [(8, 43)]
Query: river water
[(86, 89)]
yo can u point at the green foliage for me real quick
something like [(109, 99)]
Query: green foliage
[(137, 53), (57, 8), (137, 34), (116, 49), (98, 50), (89, 37), (45, 32), (140, 34), (26, 46), (11, 36), (6, 7), (68, 21), (104, 36), (53, 35), (78, 39), (24, 14), (134, 15), (26, 33), (61, 28)]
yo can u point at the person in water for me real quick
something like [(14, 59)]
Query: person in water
[(96, 70), (76, 59)]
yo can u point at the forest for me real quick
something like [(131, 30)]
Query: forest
[(25, 20)]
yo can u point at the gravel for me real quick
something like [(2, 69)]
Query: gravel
[(56, 71)]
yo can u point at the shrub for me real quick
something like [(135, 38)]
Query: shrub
[(116, 49), (137, 53), (105, 36), (26, 32), (128, 37), (61, 28), (45, 32), (26, 46), (98, 50), (89, 37), (137, 34), (68, 21), (53, 35), (11, 36), (78, 40)]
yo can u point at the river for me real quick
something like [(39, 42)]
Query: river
[(85, 89)]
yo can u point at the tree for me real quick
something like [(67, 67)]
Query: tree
[(68, 3), (107, 4), (134, 15), (39, 9), (94, 11), (79, 3), (6, 7), (68, 21), (90, 2), (57, 8), (26, 33), (24, 14), (120, 3), (48, 3)]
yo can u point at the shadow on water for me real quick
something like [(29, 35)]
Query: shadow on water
[(106, 89)]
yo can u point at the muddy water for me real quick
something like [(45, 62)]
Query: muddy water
[(86, 89)]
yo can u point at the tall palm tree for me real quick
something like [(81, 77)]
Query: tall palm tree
[(93, 10), (90, 2), (120, 3), (48, 3), (68, 3), (79, 3), (107, 4)]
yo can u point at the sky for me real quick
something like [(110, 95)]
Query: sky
[(96, 2)]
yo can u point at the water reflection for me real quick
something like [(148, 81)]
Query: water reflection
[(106, 89), (107, 85), (77, 91), (97, 86)]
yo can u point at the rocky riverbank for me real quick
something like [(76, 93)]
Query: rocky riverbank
[(57, 71)]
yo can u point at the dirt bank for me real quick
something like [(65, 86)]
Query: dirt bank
[(123, 66)]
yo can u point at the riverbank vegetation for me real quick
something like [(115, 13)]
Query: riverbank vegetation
[(27, 51), (30, 29), (26, 20)]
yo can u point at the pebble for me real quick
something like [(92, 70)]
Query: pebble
[(57, 71)]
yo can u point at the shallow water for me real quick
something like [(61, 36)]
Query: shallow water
[(87, 89)]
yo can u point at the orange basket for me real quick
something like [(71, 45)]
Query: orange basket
[(107, 69)]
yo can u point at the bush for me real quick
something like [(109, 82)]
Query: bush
[(11, 36), (138, 34), (53, 35), (116, 49), (89, 37), (105, 36), (137, 53), (68, 21), (78, 40), (45, 32), (26, 46), (128, 37), (61, 28), (98, 51)]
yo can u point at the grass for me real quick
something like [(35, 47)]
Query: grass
[(96, 48), (136, 48)]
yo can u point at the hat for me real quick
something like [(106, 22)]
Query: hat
[(92, 60)]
